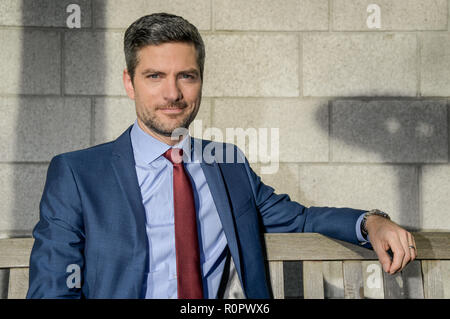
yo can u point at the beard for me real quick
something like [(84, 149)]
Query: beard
[(154, 123)]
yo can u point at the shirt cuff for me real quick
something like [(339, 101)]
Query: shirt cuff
[(359, 235)]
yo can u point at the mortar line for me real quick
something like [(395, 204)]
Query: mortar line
[(330, 15), (330, 133), (92, 124), (227, 32), (51, 95), (419, 195), (63, 62), (418, 65), (318, 31), (448, 130), (92, 15), (334, 98), (229, 97), (300, 64), (25, 162), (212, 18)]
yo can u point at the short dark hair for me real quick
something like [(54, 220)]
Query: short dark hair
[(159, 28)]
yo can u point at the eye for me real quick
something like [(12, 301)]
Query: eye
[(153, 76), (187, 76)]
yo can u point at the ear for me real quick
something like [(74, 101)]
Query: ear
[(128, 84)]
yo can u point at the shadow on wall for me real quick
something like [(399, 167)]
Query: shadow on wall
[(50, 119), (392, 137), (399, 135)]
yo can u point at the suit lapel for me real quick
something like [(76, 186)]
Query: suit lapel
[(219, 194), (123, 164)]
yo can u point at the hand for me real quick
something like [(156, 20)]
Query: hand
[(384, 235)]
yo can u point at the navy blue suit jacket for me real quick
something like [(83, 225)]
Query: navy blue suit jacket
[(91, 215)]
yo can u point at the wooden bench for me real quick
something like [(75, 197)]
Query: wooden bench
[(330, 268), (336, 269)]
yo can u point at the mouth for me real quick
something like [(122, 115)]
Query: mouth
[(172, 110)]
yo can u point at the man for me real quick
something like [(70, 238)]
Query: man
[(137, 222)]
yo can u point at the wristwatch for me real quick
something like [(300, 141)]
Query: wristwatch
[(370, 213)]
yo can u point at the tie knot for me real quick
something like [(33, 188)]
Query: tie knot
[(174, 155)]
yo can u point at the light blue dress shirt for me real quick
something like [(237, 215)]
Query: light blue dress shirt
[(155, 177)]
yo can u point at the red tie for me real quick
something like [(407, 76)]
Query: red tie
[(189, 278)]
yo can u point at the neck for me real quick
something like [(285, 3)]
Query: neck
[(169, 140)]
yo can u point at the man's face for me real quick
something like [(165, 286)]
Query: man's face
[(166, 88)]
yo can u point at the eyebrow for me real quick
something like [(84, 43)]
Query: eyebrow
[(150, 70)]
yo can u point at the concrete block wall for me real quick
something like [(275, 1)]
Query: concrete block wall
[(362, 114)]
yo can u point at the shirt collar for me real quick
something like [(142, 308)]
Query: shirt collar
[(146, 148)]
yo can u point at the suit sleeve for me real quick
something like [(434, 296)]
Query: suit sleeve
[(280, 214), (57, 253)]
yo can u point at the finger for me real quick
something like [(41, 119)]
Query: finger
[(404, 240), (399, 254), (412, 243), (383, 257)]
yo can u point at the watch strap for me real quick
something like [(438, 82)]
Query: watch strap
[(377, 212)]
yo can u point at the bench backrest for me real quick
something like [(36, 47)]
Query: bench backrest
[(336, 269), (330, 268), (15, 256)]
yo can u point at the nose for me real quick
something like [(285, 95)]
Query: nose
[(172, 92)]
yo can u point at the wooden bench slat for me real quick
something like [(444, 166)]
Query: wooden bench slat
[(277, 279), (393, 286), (412, 279), (353, 280), (304, 246), (432, 245), (445, 271), (333, 279), (312, 246), (15, 252), (313, 280), (432, 279), (18, 283), (373, 279)]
